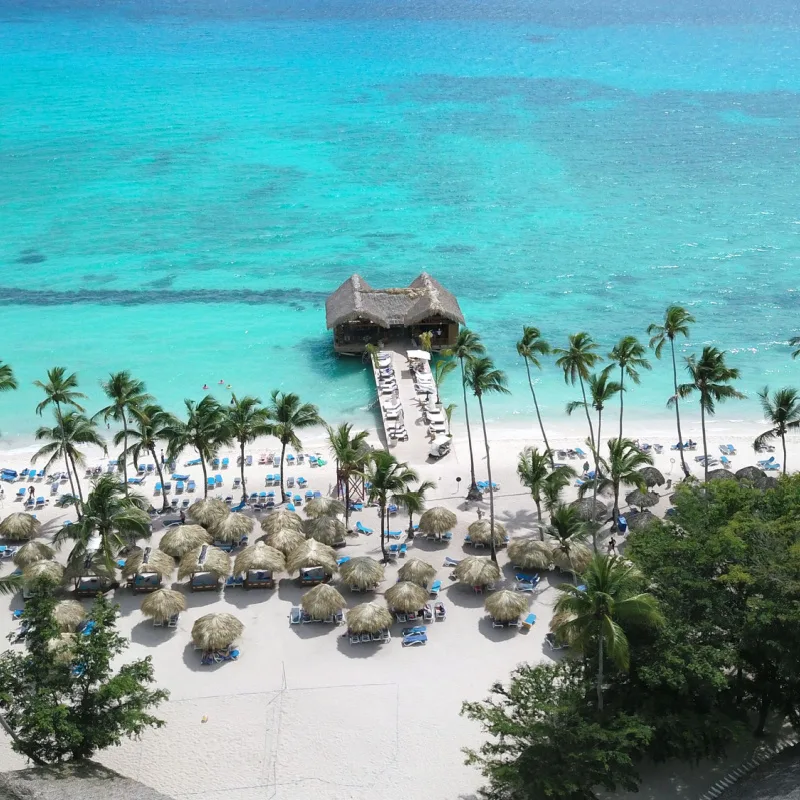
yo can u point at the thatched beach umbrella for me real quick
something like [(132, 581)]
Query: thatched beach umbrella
[(148, 562), (163, 604), (652, 476), (312, 554), (63, 647), (205, 558), (322, 601), (584, 508), (480, 532), (324, 507), (50, 571), (642, 499), (180, 540), (326, 530), (577, 560), (530, 552), (216, 631), (362, 572), (752, 475), (437, 520), (721, 475), (415, 570), (68, 614), (281, 519), (31, 552), (505, 605), (259, 556), (368, 618), (406, 596), (638, 521), (477, 571), (232, 528), (208, 512), (19, 527), (287, 540)]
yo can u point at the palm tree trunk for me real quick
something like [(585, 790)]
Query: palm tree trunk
[(615, 512), (383, 530), (491, 488), (64, 449), (241, 459), (283, 455), (77, 481), (473, 486), (165, 504), (595, 481), (588, 415), (705, 445), (539, 417), (538, 509), (621, 395), (783, 443), (346, 501), (7, 728), (600, 674), (205, 475), (677, 409), (125, 452)]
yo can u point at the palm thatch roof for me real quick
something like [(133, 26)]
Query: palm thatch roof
[(50, 571), (642, 499), (205, 559), (406, 596), (322, 601), (208, 512), (505, 605), (68, 614), (162, 604), (652, 476), (147, 562), (31, 552), (638, 521), (312, 553), (477, 571), (480, 532), (63, 647), (356, 301), (231, 528), (530, 552), (721, 475), (417, 571), (327, 530), (579, 556), (584, 507), (324, 507), (368, 618), (362, 572), (216, 631), (754, 475), (259, 556), (19, 527), (180, 540), (287, 540), (281, 519), (437, 520)]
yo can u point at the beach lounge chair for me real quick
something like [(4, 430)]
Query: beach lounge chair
[(496, 624), (142, 470), (772, 467), (427, 613), (215, 463), (218, 480), (135, 481), (446, 537), (290, 482), (551, 641), (435, 589), (528, 622), (354, 638), (237, 482), (290, 460), (403, 550), (394, 534), (248, 461), (361, 529), (296, 615), (309, 495), (342, 560), (40, 502), (412, 631), (225, 463), (191, 486), (763, 463), (415, 639), (439, 612), (580, 453), (210, 482), (195, 462), (725, 461), (157, 488), (317, 495), (451, 562), (394, 549), (302, 482)]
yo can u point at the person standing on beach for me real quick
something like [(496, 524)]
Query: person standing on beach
[(163, 460)]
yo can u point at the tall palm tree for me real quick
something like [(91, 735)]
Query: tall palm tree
[(205, 430), (594, 615), (568, 529), (148, 423), (442, 367), (7, 379), (117, 519), (387, 477), (530, 347), (63, 440), (351, 452), (711, 377), (61, 391), (676, 323), (576, 360), (290, 415), (246, 420), (413, 501), (468, 345), (782, 411), (125, 393), (620, 468), (628, 354), (484, 378), (533, 469)]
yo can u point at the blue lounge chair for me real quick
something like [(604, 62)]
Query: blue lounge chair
[(451, 562), (215, 463), (528, 622), (415, 639), (302, 482), (240, 507), (527, 577), (403, 549), (394, 549), (210, 483), (772, 467), (436, 587), (40, 502), (394, 534), (195, 462), (135, 481), (581, 453), (317, 495), (342, 560), (225, 463), (361, 529), (142, 469), (765, 461), (248, 461), (417, 629), (290, 460), (392, 509), (177, 477), (726, 462), (218, 480), (289, 507), (309, 495), (446, 537), (356, 506), (157, 488)]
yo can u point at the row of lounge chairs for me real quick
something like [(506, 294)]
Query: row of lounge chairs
[(365, 638), (427, 613), (219, 656), (299, 617), (172, 622)]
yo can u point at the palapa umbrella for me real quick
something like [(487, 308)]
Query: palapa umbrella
[(205, 559), (50, 571), (180, 540), (216, 631), (31, 552), (208, 512), (641, 520), (368, 618), (148, 562), (505, 605), (326, 530), (406, 596), (232, 528), (312, 553), (324, 507), (63, 647), (530, 552), (68, 614), (477, 571), (721, 475), (579, 556), (287, 540), (259, 556), (322, 601), (584, 508), (652, 476), (281, 519), (162, 604), (480, 533), (19, 527), (642, 499), (752, 474), (417, 571), (437, 520), (362, 572)]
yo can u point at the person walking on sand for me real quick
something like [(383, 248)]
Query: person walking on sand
[(612, 546), (163, 460), (480, 514)]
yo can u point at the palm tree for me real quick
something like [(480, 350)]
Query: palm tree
[(628, 354), (442, 367), (117, 519), (125, 393), (351, 452), (782, 411), (413, 501), (530, 347), (568, 529), (60, 390), (448, 412), (7, 379), (289, 415), (554, 485), (387, 477), (426, 341), (533, 469), (149, 422), (593, 616), (795, 342), (621, 468), (710, 378), (576, 360), (205, 430), (246, 420), (468, 345), (484, 378), (676, 323)]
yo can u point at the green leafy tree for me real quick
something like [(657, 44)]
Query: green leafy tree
[(576, 360), (568, 530), (710, 378), (60, 709), (351, 452), (531, 346), (413, 501), (149, 422), (534, 469), (782, 412), (8, 381), (676, 323), (246, 421), (629, 355)]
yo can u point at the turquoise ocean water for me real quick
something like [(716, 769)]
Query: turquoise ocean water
[(182, 183)]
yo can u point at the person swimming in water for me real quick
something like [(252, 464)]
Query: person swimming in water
[(205, 387)]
